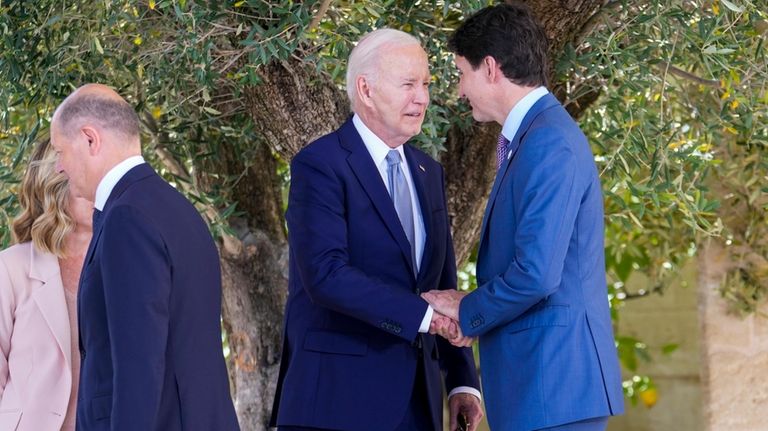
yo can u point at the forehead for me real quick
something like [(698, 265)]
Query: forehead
[(461, 62), (57, 137), (405, 55)]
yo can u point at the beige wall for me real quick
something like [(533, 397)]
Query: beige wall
[(734, 356), (658, 320)]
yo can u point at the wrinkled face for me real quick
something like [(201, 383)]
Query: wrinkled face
[(474, 86), (72, 160), (399, 94)]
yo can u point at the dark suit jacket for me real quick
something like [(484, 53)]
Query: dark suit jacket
[(149, 309), (541, 309), (351, 341)]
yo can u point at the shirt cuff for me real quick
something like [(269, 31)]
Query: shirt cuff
[(465, 390), (424, 328)]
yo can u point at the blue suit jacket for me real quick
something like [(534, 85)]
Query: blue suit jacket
[(149, 309), (351, 341), (541, 310)]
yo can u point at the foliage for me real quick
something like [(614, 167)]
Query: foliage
[(679, 130), (683, 101)]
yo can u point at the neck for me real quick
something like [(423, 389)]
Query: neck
[(511, 96), (375, 127), (76, 242)]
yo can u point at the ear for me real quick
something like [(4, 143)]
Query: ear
[(363, 86), (492, 69), (91, 135)]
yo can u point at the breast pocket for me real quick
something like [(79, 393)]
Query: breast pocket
[(336, 342)]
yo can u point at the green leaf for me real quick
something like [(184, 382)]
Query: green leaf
[(97, 45), (732, 6), (669, 348)]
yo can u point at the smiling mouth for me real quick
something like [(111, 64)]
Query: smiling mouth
[(414, 114)]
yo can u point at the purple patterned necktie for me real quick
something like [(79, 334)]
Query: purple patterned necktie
[(501, 150)]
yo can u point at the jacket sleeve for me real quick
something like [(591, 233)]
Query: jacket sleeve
[(318, 237), (7, 309)]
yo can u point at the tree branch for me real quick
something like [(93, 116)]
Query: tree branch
[(697, 79), (319, 15), (591, 23)]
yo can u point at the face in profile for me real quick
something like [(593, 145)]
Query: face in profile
[(70, 161), (472, 86), (399, 93)]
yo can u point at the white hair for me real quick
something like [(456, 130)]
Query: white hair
[(363, 58)]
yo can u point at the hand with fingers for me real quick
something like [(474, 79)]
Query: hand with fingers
[(445, 318), (465, 409)]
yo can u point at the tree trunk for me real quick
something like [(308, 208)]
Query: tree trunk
[(254, 265), (470, 167)]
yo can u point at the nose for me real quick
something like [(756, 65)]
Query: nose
[(462, 94), (422, 95), (59, 168)]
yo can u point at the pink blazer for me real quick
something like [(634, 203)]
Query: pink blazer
[(35, 370)]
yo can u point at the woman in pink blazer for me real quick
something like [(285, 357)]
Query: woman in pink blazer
[(39, 356)]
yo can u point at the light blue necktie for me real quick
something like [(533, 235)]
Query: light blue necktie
[(401, 197)]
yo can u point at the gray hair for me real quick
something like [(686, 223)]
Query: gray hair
[(113, 114), (364, 57)]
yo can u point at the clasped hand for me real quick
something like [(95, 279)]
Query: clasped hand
[(445, 318)]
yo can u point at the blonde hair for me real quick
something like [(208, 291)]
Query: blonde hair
[(44, 200)]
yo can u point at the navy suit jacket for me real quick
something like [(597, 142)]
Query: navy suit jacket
[(149, 308), (351, 341), (541, 310)]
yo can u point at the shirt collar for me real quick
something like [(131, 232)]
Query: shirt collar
[(518, 112), (109, 181), (376, 147)]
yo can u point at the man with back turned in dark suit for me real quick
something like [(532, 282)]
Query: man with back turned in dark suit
[(368, 231), (149, 300)]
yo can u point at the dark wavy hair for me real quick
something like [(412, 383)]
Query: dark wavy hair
[(512, 36)]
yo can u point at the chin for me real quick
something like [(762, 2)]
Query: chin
[(479, 117)]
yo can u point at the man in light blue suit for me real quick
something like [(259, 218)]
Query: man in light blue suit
[(547, 350)]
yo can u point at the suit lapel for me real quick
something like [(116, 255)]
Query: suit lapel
[(50, 299), (367, 173), (546, 102)]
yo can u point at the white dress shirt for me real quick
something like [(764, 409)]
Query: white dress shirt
[(378, 151), (518, 112), (104, 189)]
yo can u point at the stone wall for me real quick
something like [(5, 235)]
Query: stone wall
[(659, 320), (734, 355)]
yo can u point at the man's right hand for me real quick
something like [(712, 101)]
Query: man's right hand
[(449, 329), (443, 326)]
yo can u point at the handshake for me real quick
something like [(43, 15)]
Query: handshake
[(445, 319)]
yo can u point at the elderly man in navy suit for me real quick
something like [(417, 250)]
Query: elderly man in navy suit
[(368, 232), (149, 300)]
